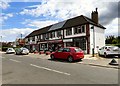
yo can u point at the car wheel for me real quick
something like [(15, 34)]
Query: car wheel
[(99, 54), (70, 59), (52, 56)]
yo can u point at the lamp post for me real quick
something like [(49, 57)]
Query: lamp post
[(93, 49)]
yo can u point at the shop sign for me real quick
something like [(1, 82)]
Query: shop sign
[(68, 40)]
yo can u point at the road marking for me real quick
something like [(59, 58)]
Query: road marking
[(50, 69), (15, 60), (2, 57)]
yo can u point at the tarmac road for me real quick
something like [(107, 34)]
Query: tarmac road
[(22, 69)]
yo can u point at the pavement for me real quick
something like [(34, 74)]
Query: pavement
[(88, 60)]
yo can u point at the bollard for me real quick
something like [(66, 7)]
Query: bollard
[(113, 62)]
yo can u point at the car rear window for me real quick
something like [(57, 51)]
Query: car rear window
[(78, 49)]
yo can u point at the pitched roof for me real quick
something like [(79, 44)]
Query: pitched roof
[(39, 31), (79, 20), (57, 26)]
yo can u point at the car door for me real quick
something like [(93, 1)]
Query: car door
[(66, 53), (58, 54)]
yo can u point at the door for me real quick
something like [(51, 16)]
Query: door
[(66, 53), (58, 53)]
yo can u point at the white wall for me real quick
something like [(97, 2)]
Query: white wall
[(99, 38)]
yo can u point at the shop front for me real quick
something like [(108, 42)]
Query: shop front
[(81, 43), (55, 44)]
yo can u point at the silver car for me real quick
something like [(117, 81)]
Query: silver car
[(108, 51), (22, 51), (10, 50)]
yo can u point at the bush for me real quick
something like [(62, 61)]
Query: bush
[(4, 48), (113, 45)]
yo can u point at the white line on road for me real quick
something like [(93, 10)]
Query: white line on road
[(15, 60), (2, 57), (50, 69)]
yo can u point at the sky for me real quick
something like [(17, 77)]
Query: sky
[(24, 16)]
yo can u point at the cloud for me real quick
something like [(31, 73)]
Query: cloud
[(62, 9), (38, 23), (112, 28), (110, 13), (4, 17), (4, 5), (12, 34)]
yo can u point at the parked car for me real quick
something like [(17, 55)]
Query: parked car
[(108, 51), (10, 50), (22, 51), (69, 53)]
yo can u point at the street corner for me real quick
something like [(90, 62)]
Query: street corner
[(100, 62), (90, 57)]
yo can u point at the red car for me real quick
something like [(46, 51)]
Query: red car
[(69, 53)]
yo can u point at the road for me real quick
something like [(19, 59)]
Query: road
[(23, 69)]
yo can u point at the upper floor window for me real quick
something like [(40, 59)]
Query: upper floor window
[(33, 38), (83, 29), (79, 29), (47, 36), (59, 33), (69, 31), (28, 39), (53, 34)]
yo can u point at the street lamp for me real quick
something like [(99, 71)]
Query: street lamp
[(93, 49)]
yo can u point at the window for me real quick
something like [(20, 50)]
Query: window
[(41, 36), (44, 36), (75, 30), (77, 50), (79, 29), (50, 35), (83, 29), (53, 34), (28, 39), (66, 50), (69, 31), (33, 38), (58, 33), (60, 50)]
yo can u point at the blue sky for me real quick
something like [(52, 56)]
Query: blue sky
[(23, 17)]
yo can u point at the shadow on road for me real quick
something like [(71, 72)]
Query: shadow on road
[(110, 57), (65, 61)]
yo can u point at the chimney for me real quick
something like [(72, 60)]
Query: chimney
[(94, 16)]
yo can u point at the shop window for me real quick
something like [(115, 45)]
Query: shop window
[(80, 42), (69, 31)]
